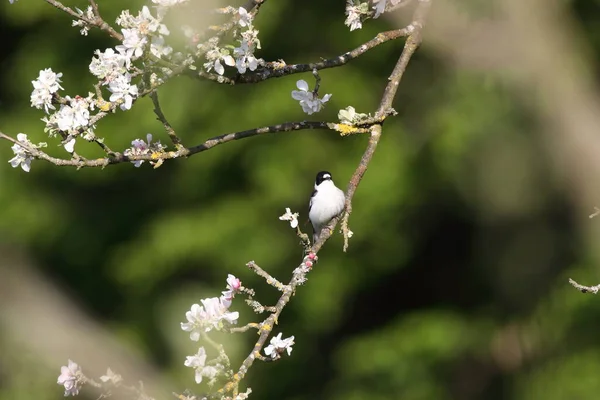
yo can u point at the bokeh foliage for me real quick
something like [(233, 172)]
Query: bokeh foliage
[(454, 286)]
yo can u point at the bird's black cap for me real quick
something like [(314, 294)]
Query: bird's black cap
[(322, 176)]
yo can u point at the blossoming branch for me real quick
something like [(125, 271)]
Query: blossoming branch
[(141, 61)]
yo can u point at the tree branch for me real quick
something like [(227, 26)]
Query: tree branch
[(117, 158), (385, 105), (161, 117), (299, 274), (584, 289), (98, 22), (279, 69)]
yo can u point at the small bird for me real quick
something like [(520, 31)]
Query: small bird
[(326, 202)]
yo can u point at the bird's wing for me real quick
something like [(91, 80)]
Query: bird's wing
[(312, 197)]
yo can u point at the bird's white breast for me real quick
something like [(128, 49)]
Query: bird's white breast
[(326, 204)]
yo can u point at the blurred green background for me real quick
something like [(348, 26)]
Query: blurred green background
[(455, 282)]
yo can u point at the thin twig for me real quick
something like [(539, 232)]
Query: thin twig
[(161, 117), (584, 289), (98, 22), (259, 308), (238, 329), (266, 276)]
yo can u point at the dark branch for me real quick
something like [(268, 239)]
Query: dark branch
[(161, 117), (278, 69), (116, 158)]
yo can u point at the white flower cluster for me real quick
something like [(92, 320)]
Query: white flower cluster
[(214, 56), (47, 83), (357, 11), (22, 156), (214, 312), (277, 346), (144, 38), (88, 14), (111, 377), (71, 378), (349, 116), (309, 100), (243, 56), (198, 362), (289, 216), (355, 14), (140, 32), (113, 68), (72, 116), (140, 148)]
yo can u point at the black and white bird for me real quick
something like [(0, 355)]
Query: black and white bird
[(326, 202)]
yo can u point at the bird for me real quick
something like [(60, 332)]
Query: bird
[(326, 202)]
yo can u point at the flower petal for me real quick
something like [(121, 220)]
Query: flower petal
[(302, 85)]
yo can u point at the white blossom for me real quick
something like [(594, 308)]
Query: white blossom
[(69, 144), (147, 24), (245, 18), (244, 57), (353, 17), (48, 80), (47, 83), (234, 286), (22, 157), (379, 7), (141, 30), (139, 148), (123, 92), (210, 315), (144, 23), (168, 3), (233, 283), (133, 43), (278, 346), (42, 98), (111, 377), (349, 116), (198, 362), (108, 64), (214, 57), (70, 378), (250, 36), (309, 100), (73, 116), (87, 14), (289, 216), (159, 48)]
